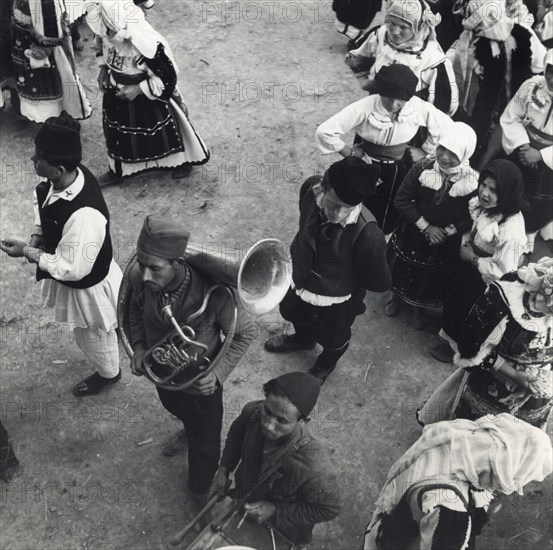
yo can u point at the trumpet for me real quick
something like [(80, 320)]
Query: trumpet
[(258, 283)]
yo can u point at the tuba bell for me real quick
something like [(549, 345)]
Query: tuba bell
[(259, 282)]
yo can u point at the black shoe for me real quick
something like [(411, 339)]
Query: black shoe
[(287, 342), (321, 373), (182, 172), (109, 178), (94, 384), (175, 444)]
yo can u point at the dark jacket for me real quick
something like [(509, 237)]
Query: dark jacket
[(148, 325), (303, 488), (334, 260)]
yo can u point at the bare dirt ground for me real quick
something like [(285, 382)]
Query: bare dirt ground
[(258, 77)]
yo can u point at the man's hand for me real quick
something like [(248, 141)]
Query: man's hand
[(206, 385), (36, 241), (137, 367), (435, 235), (529, 156), (220, 484), (129, 92), (13, 247), (260, 511)]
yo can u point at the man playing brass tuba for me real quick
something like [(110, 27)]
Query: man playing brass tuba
[(161, 278)]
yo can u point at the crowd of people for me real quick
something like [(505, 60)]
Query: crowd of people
[(444, 200)]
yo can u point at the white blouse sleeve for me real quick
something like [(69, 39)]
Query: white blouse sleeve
[(508, 250), (82, 238), (329, 133), (514, 132), (436, 122)]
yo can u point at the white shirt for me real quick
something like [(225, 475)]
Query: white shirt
[(532, 104), (82, 236), (369, 119)]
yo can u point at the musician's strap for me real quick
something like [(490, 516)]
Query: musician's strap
[(274, 467)]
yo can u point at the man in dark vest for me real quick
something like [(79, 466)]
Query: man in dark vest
[(71, 246), (338, 252)]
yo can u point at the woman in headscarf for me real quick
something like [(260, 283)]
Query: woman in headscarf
[(145, 120), (385, 122), (43, 61), (493, 248), (432, 202), (505, 345), (407, 37), (437, 494), (527, 125), (493, 56)]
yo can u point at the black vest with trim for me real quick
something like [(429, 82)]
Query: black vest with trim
[(54, 217), (322, 253)]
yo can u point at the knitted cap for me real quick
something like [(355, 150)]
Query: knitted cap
[(353, 179), (397, 81), (59, 139), (163, 237), (302, 390)]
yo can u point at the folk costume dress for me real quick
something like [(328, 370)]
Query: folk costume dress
[(502, 327), (437, 494), (384, 138), (491, 59), (430, 196), (151, 131), (501, 330), (422, 54), (499, 243), (44, 63), (528, 120)]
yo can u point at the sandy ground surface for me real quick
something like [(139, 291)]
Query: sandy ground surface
[(257, 77)]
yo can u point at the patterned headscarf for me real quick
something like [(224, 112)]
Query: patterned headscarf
[(488, 19), (128, 22), (418, 15), (538, 279)]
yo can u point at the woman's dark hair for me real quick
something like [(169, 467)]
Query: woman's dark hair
[(510, 188)]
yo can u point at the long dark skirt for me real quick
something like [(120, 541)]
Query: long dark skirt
[(463, 286), (358, 13), (419, 268), (139, 130), (382, 203), (538, 185), (485, 394), (34, 84)]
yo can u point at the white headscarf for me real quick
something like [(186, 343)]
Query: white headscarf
[(418, 15), (459, 138), (493, 453), (488, 19), (128, 22)]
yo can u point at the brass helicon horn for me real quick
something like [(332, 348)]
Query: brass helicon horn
[(259, 281)]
